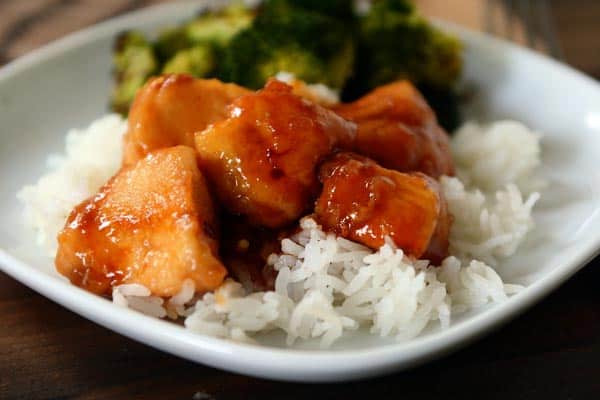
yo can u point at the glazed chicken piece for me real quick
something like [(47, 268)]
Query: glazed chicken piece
[(152, 224), (262, 160), (170, 109), (399, 130), (365, 202)]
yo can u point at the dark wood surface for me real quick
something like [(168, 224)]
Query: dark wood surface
[(47, 352)]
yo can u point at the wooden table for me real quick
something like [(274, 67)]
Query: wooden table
[(551, 352)]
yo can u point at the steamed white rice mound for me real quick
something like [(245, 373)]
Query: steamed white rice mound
[(92, 156), (487, 227), (494, 155), (327, 285)]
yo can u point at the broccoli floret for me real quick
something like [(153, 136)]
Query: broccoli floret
[(209, 28), (219, 27), (283, 22), (342, 9), (341, 65), (198, 61), (251, 59), (395, 42), (171, 41), (314, 47), (191, 48), (291, 59), (134, 62), (444, 60), (399, 43)]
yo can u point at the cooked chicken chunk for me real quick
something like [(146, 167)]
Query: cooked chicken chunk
[(169, 109), (399, 130), (152, 224), (262, 159), (366, 203)]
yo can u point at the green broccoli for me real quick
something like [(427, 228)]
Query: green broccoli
[(341, 65), (251, 59), (217, 28), (213, 29), (134, 62), (395, 42), (319, 33), (317, 41), (170, 41), (314, 47), (398, 43), (190, 48), (342, 9), (198, 61)]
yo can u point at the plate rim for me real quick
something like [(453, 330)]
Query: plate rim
[(283, 364)]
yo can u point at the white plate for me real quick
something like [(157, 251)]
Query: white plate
[(67, 85)]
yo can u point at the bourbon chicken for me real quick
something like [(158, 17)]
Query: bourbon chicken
[(262, 159), (366, 203), (170, 109), (398, 129), (153, 224)]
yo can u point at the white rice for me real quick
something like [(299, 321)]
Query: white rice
[(328, 285), (487, 227), (92, 156), (139, 298), (492, 156)]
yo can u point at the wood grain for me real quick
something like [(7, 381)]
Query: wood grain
[(47, 352)]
